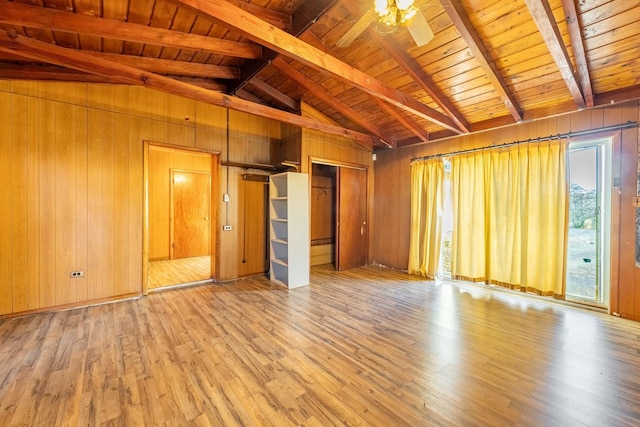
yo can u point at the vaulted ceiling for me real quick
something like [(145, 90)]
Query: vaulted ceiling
[(489, 64)]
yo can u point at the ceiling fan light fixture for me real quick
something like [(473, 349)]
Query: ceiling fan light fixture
[(381, 7), (404, 4), (410, 13), (395, 12)]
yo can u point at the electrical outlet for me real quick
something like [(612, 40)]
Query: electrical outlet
[(225, 198), (76, 274), (226, 227)]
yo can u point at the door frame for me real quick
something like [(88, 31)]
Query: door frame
[(214, 207), (350, 165)]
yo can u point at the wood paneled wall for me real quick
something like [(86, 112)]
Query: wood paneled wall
[(390, 236), (161, 161), (71, 163), (72, 187)]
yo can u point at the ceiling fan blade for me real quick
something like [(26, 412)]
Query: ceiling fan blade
[(420, 29), (357, 29)]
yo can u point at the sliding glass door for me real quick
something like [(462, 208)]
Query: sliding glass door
[(587, 267), (588, 249)]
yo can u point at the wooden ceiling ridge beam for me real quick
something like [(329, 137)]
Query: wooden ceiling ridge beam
[(403, 119), (545, 21), (14, 13), (461, 21), (282, 98), (307, 14), (286, 44), (318, 91), (577, 45), (80, 61)]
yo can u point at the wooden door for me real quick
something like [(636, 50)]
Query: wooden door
[(351, 239), (191, 200), (253, 208)]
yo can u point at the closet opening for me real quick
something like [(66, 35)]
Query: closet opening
[(323, 214), (339, 225)]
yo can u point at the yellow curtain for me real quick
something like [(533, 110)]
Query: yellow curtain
[(545, 234), (505, 216), (468, 240), (510, 210), (427, 184)]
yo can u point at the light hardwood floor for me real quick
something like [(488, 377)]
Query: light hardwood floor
[(178, 271), (368, 346)]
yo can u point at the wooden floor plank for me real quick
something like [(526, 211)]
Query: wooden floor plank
[(368, 346)]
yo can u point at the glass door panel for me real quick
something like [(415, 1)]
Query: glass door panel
[(584, 253)]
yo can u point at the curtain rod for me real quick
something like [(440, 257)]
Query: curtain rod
[(627, 125)]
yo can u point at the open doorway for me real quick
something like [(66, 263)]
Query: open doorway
[(180, 237)]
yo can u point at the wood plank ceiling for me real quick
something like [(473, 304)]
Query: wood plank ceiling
[(490, 63)]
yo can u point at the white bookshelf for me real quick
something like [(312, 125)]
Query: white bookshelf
[(289, 229)]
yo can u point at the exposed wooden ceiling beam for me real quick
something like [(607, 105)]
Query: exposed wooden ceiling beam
[(204, 83), (308, 13), (273, 17), (404, 119), (577, 45), (257, 30), (617, 96), (326, 97), (245, 94), (56, 73), (78, 60), (48, 72), (274, 93), (463, 24), (167, 66), (23, 15), (546, 23)]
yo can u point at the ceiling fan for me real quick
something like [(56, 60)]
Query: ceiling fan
[(390, 14)]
